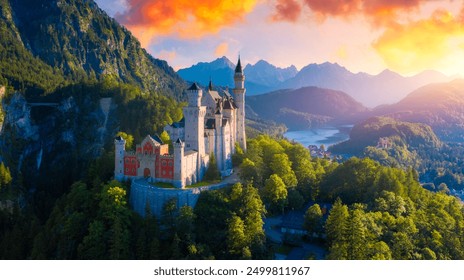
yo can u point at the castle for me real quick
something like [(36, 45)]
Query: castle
[(213, 123)]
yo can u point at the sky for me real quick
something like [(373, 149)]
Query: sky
[(405, 36)]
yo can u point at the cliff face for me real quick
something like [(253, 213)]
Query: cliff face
[(52, 143)]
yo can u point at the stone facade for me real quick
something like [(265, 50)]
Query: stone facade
[(212, 124)]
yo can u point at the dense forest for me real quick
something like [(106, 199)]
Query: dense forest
[(406, 145), (378, 212)]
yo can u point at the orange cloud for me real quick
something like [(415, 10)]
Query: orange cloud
[(287, 10), (221, 50), (378, 11), (432, 43), (187, 18)]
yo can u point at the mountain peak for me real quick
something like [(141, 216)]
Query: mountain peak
[(81, 41)]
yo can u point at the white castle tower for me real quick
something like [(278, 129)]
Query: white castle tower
[(239, 93), (194, 115), (120, 148)]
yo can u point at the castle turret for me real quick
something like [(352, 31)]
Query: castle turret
[(239, 93), (179, 181), (120, 148), (194, 115)]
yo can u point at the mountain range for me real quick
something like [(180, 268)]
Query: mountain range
[(260, 78), (371, 90)]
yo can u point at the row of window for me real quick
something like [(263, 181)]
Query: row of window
[(163, 172), (164, 162)]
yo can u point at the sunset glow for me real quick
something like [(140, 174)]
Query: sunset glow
[(369, 36)]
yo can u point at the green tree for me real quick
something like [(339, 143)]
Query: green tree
[(185, 224), (357, 236), (295, 199), (275, 193), (238, 156), (164, 136), (380, 251), (282, 166), (251, 209), (336, 227), (212, 173), (5, 176), (313, 220), (129, 139), (249, 173), (116, 215), (337, 222), (93, 247), (236, 239)]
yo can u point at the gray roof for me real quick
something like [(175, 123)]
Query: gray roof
[(228, 104), (238, 68), (179, 124), (214, 94), (157, 139), (194, 86)]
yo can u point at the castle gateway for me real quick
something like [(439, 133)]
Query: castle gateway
[(213, 123)]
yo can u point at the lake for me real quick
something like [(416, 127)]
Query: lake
[(318, 136)]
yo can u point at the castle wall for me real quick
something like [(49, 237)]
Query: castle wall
[(130, 165), (143, 194), (165, 167), (190, 166)]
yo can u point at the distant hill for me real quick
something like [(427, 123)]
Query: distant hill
[(77, 41), (440, 105), (368, 133), (371, 90), (305, 107)]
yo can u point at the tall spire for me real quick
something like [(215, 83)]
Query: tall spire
[(210, 86), (238, 68)]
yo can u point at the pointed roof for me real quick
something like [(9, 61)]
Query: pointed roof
[(228, 104), (155, 141), (210, 86), (238, 68), (178, 141), (179, 124), (194, 86), (119, 138)]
